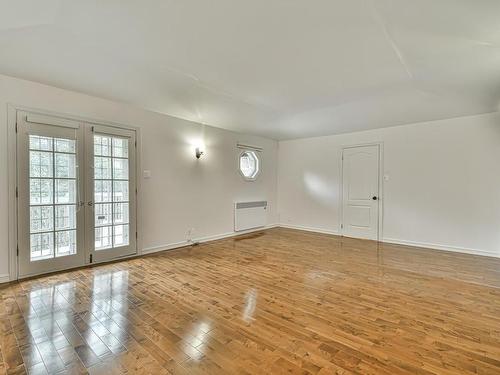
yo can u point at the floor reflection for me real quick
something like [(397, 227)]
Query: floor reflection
[(250, 305), (281, 302), (195, 339)]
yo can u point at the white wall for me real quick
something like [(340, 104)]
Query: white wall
[(183, 192), (443, 191)]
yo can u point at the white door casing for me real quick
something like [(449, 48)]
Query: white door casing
[(360, 191)]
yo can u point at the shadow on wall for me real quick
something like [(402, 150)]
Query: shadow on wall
[(324, 192)]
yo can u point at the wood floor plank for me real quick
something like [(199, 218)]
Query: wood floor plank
[(280, 301)]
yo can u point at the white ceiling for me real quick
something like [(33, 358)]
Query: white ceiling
[(278, 68)]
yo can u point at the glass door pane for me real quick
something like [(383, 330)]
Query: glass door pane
[(53, 205), (111, 180)]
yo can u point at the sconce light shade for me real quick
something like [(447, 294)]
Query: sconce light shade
[(198, 153)]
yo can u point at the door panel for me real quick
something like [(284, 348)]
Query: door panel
[(111, 198), (50, 215), (360, 186)]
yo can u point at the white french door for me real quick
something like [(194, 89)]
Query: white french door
[(50, 209), (76, 194), (111, 193)]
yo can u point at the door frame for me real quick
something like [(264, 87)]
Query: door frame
[(380, 145), (12, 110)]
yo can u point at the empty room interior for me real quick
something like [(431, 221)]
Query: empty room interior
[(250, 187)]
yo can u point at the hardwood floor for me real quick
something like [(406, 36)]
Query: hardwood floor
[(283, 301)]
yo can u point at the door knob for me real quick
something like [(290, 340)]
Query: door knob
[(374, 198)]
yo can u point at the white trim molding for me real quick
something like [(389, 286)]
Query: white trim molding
[(176, 245), (4, 278), (156, 249), (310, 229), (12, 188), (433, 246), (159, 248), (425, 245), (250, 148)]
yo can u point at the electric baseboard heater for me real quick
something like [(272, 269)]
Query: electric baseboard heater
[(250, 215)]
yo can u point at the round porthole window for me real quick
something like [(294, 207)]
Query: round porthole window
[(249, 165)]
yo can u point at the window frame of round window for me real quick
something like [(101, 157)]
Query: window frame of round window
[(254, 176)]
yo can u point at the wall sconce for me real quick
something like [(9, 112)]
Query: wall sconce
[(198, 152)]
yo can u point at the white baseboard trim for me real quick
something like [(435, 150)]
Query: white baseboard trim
[(172, 246), (4, 278), (426, 245), (310, 229), (155, 249), (150, 250), (455, 249)]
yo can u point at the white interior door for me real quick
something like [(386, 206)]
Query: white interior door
[(50, 212), (360, 191), (111, 193)]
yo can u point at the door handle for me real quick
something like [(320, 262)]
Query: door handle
[(90, 204), (375, 198)]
